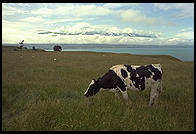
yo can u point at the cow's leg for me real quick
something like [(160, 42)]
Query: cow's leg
[(154, 93), (125, 95), (116, 92), (122, 87), (160, 87)]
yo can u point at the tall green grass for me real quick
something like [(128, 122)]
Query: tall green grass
[(39, 93)]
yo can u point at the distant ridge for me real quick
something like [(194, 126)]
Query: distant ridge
[(110, 45)]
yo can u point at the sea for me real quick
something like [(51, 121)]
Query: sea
[(182, 52)]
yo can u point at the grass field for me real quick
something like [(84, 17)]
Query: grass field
[(39, 93)]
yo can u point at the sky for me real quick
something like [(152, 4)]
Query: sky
[(99, 23)]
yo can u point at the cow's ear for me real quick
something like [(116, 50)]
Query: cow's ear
[(94, 80)]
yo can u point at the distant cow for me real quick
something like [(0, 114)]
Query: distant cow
[(57, 48), (119, 78)]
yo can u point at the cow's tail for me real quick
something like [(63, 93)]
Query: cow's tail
[(161, 79), (160, 86)]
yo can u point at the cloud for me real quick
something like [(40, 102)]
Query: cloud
[(33, 19), (87, 29), (102, 23), (187, 33), (105, 34), (10, 10), (67, 12), (185, 10), (179, 41), (43, 20), (63, 20), (119, 5), (92, 10), (184, 36), (72, 10), (13, 32), (136, 16)]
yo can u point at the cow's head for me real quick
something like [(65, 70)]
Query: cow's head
[(92, 89)]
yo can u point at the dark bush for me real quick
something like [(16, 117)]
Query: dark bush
[(57, 48)]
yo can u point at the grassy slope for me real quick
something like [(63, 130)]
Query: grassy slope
[(39, 93)]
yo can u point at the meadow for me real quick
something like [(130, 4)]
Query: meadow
[(40, 93)]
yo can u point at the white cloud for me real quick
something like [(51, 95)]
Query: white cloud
[(138, 17), (184, 36), (73, 10), (91, 10), (13, 32), (33, 19), (43, 12), (187, 33), (10, 10), (119, 5), (102, 38), (40, 19), (62, 20), (185, 9), (163, 6), (106, 30)]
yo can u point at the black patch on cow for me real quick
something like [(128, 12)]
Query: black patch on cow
[(111, 80), (157, 74), (139, 74), (130, 85), (123, 73)]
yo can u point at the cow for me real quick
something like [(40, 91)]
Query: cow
[(120, 78)]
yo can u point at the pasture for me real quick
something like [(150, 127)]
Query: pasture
[(40, 93)]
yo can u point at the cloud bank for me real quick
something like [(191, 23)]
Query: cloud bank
[(87, 29), (107, 23)]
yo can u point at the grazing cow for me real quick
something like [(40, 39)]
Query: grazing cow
[(119, 78)]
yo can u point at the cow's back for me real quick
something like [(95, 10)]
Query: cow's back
[(138, 77)]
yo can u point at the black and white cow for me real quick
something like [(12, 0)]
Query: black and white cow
[(119, 78)]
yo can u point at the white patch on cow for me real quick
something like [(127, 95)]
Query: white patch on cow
[(157, 66), (114, 90), (117, 70), (116, 67), (137, 75), (133, 82), (134, 66), (151, 71), (133, 88), (92, 82), (102, 89)]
